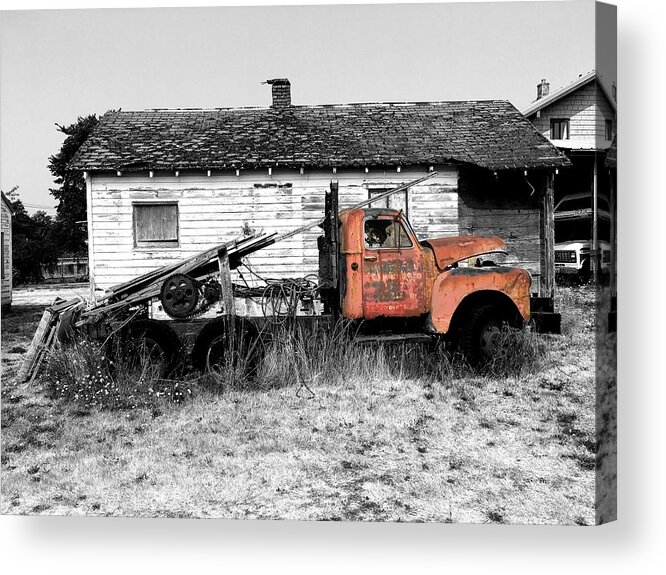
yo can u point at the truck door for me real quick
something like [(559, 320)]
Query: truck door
[(393, 279)]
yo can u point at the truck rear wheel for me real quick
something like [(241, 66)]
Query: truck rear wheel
[(150, 345), (227, 343), (481, 333)]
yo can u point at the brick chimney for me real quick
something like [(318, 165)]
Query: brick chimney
[(281, 92), (542, 89)]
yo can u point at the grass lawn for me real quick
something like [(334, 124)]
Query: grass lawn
[(466, 449)]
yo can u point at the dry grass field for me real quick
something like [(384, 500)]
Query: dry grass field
[(386, 446)]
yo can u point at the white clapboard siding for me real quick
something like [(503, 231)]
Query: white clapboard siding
[(587, 109), (219, 208)]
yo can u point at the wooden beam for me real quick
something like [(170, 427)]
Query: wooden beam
[(227, 295), (36, 347), (547, 232), (91, 238)]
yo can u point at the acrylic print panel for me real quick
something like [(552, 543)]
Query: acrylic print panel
[(448, 357)]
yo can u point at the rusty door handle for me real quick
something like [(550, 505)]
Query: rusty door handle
[(370, 258)]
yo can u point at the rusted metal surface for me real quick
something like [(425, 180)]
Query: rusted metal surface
[(448, 251), (390, 274), (351, 248), (389, 278), (451, 288)]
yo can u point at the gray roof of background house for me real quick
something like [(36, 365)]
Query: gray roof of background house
[(560, 93), (491, 134), (5, 200)]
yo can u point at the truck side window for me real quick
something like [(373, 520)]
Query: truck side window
[(386, 234)]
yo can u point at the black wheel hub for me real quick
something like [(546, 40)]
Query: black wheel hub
[(180, 295)]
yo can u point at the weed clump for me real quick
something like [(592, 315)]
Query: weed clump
[(85, 372), (517, 352)]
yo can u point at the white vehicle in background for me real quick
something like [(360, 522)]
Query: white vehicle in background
[(573, 258), (577, 207)]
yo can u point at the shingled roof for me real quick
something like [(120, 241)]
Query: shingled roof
[(491, 134)]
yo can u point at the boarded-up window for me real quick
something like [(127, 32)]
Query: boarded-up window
[(397, 201), (156, 225)]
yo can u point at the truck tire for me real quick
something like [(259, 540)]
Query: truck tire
[(154, 341), (480, 331), (214, 344)]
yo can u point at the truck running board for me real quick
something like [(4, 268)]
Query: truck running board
[(395, 338)]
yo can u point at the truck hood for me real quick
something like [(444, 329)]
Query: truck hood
[(450, 250)]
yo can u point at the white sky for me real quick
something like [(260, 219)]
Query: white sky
[(60, 64)]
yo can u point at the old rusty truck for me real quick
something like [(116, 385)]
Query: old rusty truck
[(374, 272)]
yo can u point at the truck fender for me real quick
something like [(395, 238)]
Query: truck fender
[(508, 287)]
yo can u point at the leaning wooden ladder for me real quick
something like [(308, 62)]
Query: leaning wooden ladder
[(51, 328)]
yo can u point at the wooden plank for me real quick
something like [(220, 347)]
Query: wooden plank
[(225, 282), (32, 355), (43, 350)]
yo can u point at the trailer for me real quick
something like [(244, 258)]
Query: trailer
[(374, 273)]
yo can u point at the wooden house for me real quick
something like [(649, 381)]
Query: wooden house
[(580, 119), (6, 249), (165, 184)]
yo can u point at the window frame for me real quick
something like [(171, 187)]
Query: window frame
[(561, 122), (155, 244), (380, 189), (609, 129), (394, 222)]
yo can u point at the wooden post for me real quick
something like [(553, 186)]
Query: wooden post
[(91, 239), (548, 238), (227, 296)]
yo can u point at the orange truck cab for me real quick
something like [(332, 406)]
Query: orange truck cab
[(386, 273)]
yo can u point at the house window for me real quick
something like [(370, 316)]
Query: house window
[(397, 201), (559, 129), (2, 254), (156, 225), (609, 129)]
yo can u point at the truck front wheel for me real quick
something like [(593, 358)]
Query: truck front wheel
[(481, 334)]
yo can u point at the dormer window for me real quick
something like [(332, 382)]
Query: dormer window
[(559, 129)]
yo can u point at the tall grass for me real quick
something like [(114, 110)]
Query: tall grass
[(297, 356), (304, 356), (518, 352)]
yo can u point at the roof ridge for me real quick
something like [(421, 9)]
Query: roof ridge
[(311, 106)]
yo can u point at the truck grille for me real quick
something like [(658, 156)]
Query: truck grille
[(565, 256)]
